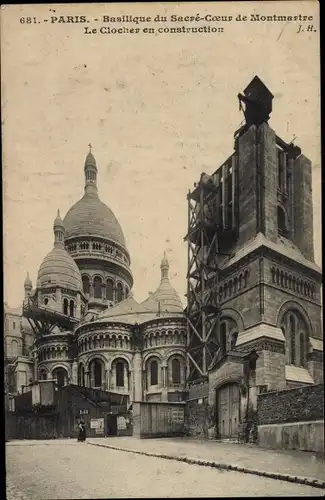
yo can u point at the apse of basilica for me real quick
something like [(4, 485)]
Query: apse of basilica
[(116, 344)]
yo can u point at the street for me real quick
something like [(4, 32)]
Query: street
[(63, 469)]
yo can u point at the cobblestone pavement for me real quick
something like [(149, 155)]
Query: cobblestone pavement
[(66, 469), (14, 493), (294, 463)]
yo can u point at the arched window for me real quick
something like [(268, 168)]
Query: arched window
[(109, 289), (234, 336), (98, 373), (71, 308), (43, 375), (296, 333), (61, 376), (154, 372), (223, 336), (14, 348), (127, 292), (282, 278), (176, 371), (277, 276), (65, 306), (86, 284), (119, 292), (302, 349), (97, 287), (119, 367), (281, 221)]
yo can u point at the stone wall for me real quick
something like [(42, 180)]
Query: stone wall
[(303, 436), (270, 370), (292, 419), (196, 417), (291, 405)]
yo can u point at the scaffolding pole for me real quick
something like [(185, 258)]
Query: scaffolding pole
[(202, 280)]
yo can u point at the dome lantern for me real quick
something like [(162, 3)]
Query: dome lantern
[(164, 266), (165, 294), (90, 173), (28, 282), (58, 228)]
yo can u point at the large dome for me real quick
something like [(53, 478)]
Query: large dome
[(58, 268), (91, 217)]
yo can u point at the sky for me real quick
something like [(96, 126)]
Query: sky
[(157, 109)]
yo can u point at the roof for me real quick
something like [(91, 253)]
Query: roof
[(317, 344), (259, 331), (282, 246), (298, 374), (131, 312), (163, 303), (91, 217)]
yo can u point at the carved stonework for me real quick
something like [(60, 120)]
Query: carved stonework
[(69, 292), (233, 286), (315, 356), (293, 283), (262, 345)]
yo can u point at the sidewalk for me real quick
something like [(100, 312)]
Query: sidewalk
[(294, 466)]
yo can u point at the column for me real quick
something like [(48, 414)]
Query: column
[(74, 373), (78, 307), (87, 382), (126, 377), (131, 384), (35, 364), (163, 384), (137, 377), (113, 376), (58, 297), (108, 379)]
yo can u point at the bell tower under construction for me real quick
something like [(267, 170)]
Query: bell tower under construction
[(254, 310)]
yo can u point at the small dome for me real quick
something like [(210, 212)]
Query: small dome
[(59, 269), (28, 282), (168, 298), (165, 294)]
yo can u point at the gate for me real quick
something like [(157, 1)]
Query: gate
[(228, 404)]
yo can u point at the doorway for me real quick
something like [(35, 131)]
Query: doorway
[(228, 405)]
